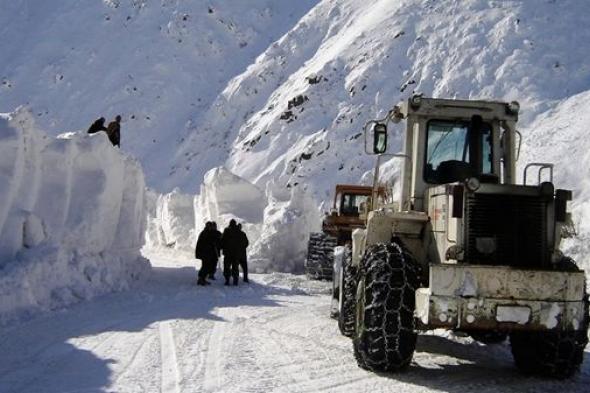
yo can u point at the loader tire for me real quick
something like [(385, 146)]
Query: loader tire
[(385, 337), (320, 256), (346, 302), (557, 354)]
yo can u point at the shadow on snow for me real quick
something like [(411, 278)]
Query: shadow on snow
[(37, 355)]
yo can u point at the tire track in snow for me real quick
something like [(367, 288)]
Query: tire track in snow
[(134, 359), (214, 364), (191, 338), (170, 374)]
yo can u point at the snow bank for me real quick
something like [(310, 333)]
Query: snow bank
[(72, 217), (277, 221), (171, 221), (224, 196), (289, 217)]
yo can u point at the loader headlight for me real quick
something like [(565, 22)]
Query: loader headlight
[(416, 101), (513, 108), (547, 189), (472, 184)]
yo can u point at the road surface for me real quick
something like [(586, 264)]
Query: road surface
[(273, 335)]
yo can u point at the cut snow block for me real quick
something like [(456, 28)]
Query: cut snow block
[(72, 214), (175, 216), (224, 193)]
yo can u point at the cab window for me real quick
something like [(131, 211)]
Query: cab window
[(350, 205), (448, 155)]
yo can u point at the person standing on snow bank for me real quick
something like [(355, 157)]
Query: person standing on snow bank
[(217, 239), (114, 131), (231, 245), (207, 251), (97, 126), (243, 253)]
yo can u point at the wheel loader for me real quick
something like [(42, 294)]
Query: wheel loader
[(466, 248), (337, 226)]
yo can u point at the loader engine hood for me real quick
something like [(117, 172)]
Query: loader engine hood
[(510, 225)]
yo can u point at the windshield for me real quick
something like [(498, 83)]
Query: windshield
[(351, 203), (448, 156)]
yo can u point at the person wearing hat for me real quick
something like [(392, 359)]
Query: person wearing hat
[(243, 258), (114, 131), (97, 126), (231, 241), (206, 250)]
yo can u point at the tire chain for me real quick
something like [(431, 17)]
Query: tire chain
[(557, 354), (391, 278), (346, 317), (320, 256)]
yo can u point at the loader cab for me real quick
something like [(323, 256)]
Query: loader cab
[(447, 141), (457, 150)]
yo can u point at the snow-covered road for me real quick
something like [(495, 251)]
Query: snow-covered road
[(272, 335)]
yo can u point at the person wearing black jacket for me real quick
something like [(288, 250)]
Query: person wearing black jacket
[(114, 131), (231, 241), (207, 250), (243, 253), (217, 240), (97, 126)]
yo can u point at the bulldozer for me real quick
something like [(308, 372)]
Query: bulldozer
[(337, 226), (465, 248)]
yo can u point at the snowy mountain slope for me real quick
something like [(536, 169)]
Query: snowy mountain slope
[(158, 63), (366, 56), (560, 137), (215, 77), (285, 110), (303, 103)]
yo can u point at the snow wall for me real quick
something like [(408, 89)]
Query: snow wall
[(72, 218), (277, 221), (171, 221)]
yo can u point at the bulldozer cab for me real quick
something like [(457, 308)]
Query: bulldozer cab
[(349, 200)]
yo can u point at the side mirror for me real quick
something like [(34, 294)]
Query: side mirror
[(379, 138), (376, 135)]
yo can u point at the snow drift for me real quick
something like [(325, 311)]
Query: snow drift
[(276, 221), (171, 221), (225, 195), (72, 217), (289, 217)]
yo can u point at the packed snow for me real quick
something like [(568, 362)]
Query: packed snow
[(71, 219), (171, 221), (273, 335), (277, 221)]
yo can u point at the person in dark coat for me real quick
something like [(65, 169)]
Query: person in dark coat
[(217, 240), (207, 251), (114, 131), (231, 241), (243, 253), (97, 126)]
